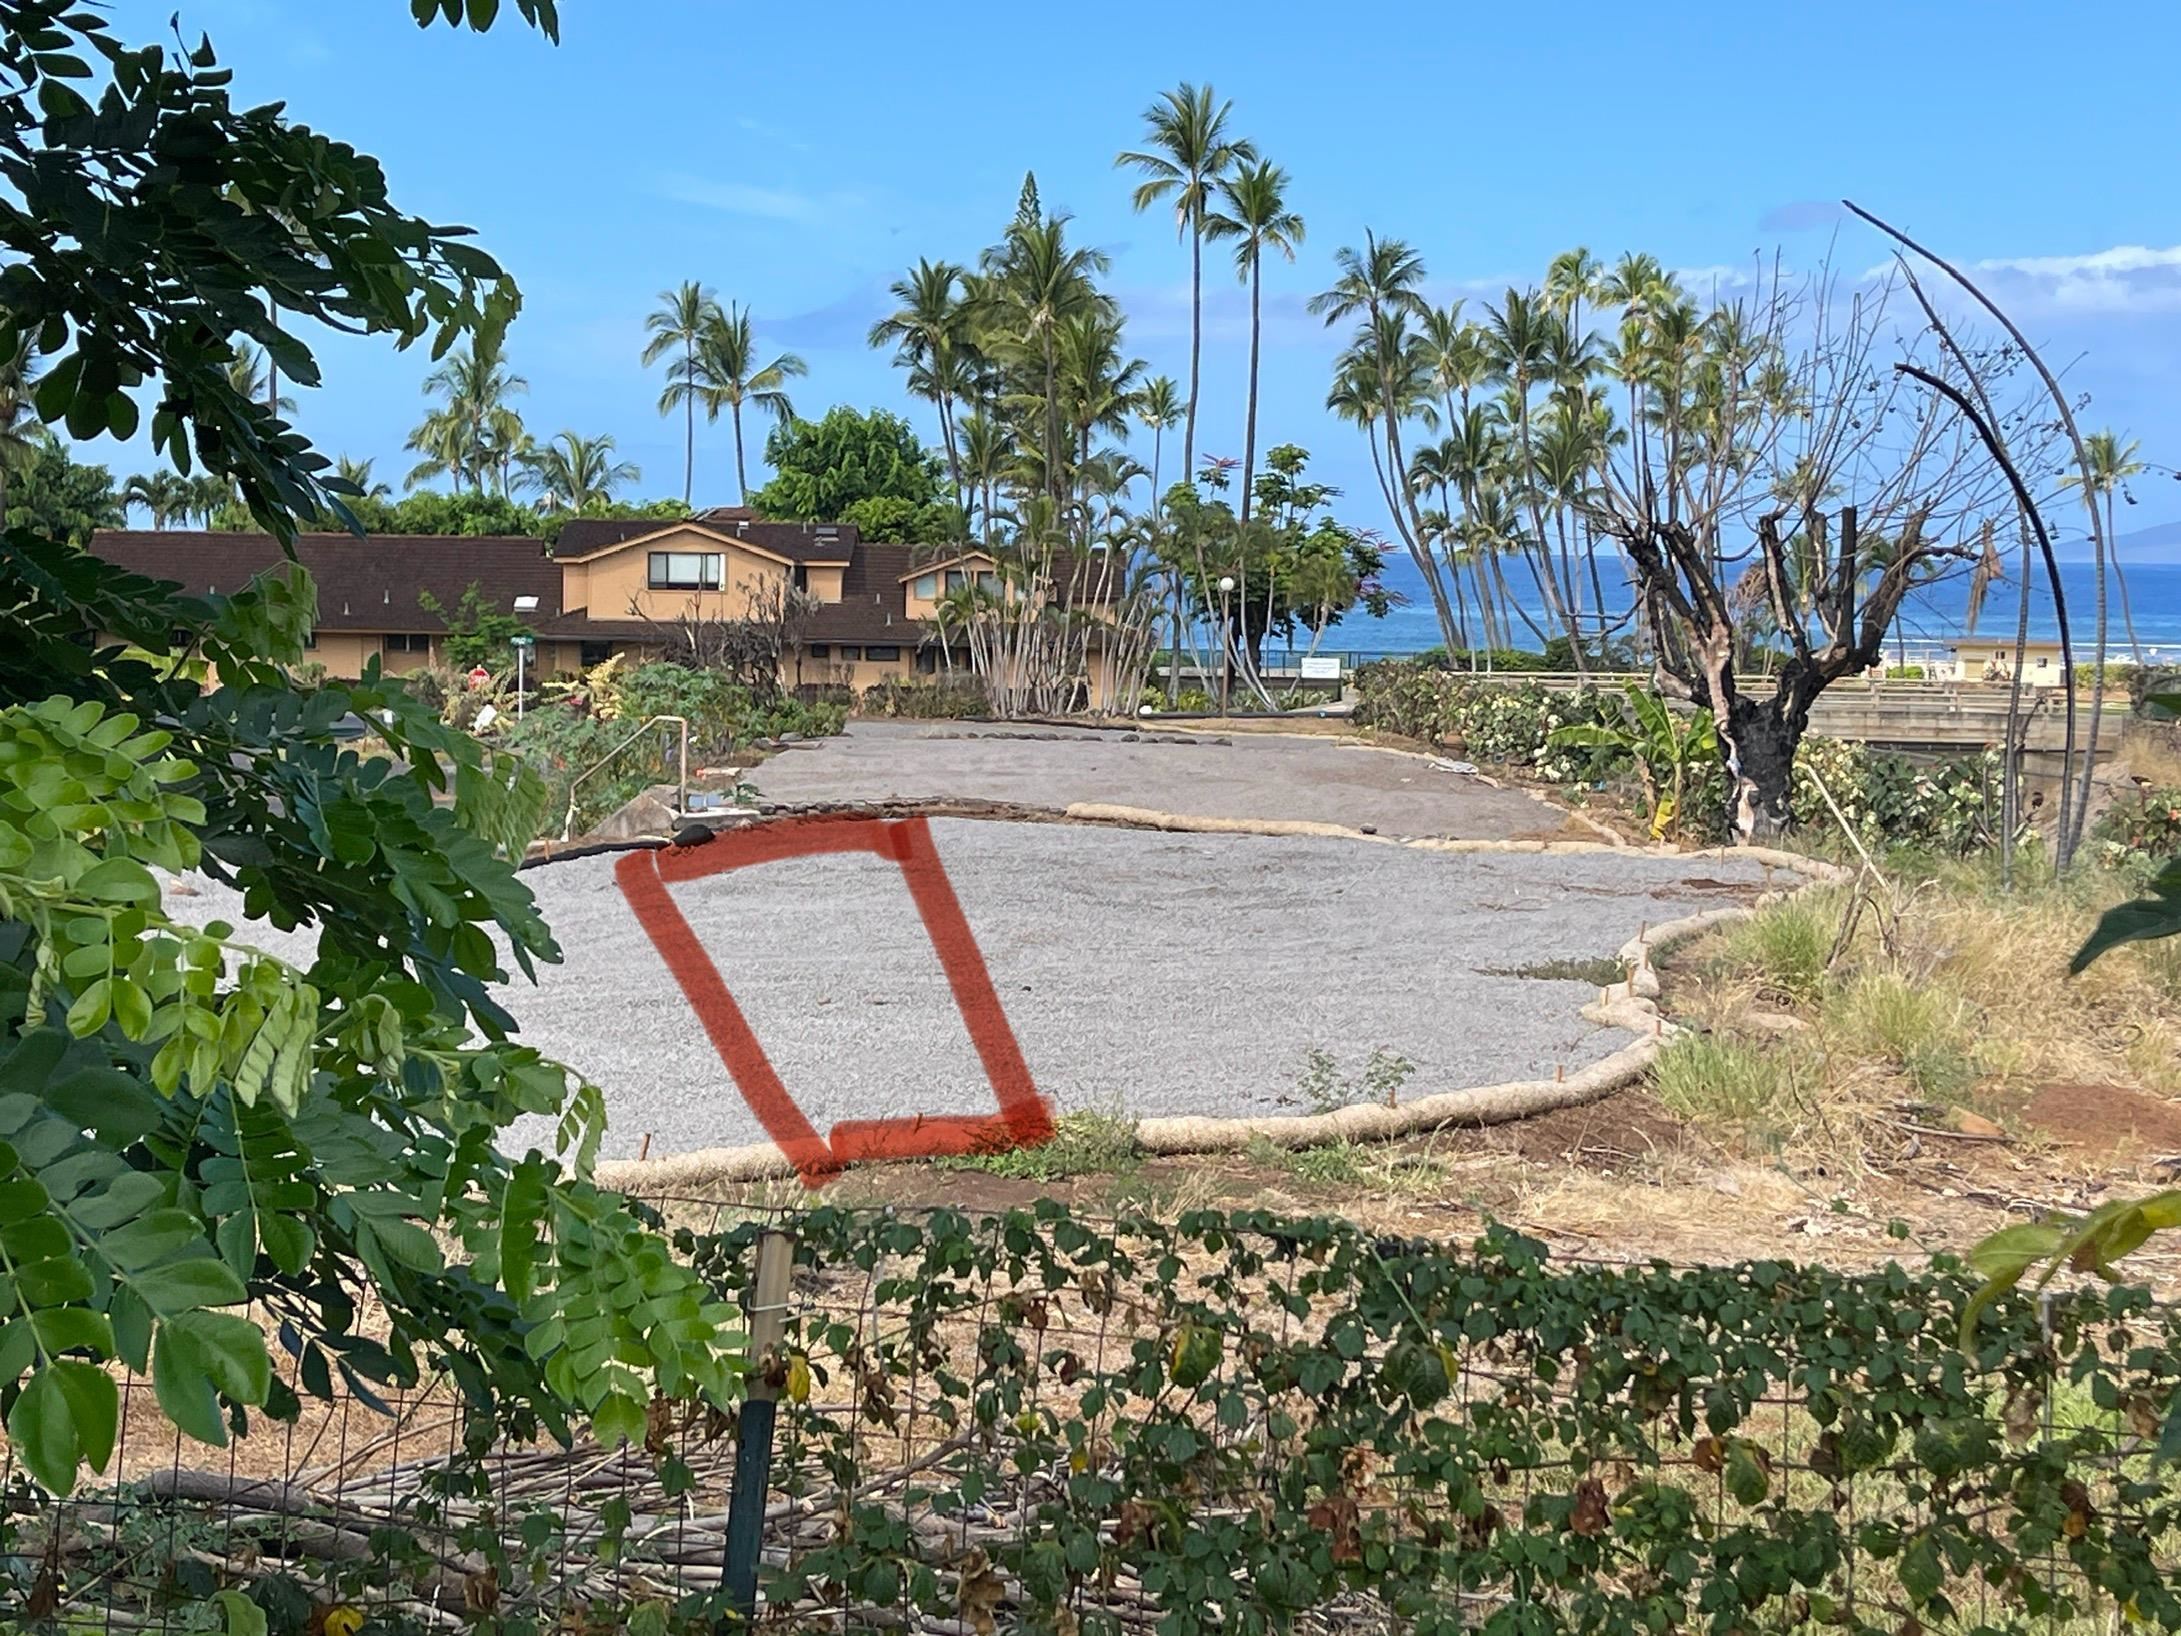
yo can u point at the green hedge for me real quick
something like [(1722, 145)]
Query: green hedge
[(1949, 806), (1242, 1421)]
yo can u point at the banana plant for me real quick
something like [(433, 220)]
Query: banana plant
[(1667, 749)]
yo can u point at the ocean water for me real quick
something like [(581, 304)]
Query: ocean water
[(1932, 618)]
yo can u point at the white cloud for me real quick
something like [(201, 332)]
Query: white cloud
[(2121, 258), (743, 199), (2123, 278)]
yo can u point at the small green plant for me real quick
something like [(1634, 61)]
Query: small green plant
[(1786, 945), (478, 632), (1327, 1089), (1923, 1029), (1711, 1079), (1084, 1143), (1602, 971), (1668, 750)]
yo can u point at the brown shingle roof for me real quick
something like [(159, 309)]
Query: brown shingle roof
[(798, 542), (363, 585)]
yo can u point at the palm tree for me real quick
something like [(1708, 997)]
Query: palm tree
[(18, 421), (167, 495), (358, 472), (1033, 283), (1257, 216), (473, 431), (730, 377), (683, 315), (1158, 406), (1186, 150), (2112, 463), (572, 471), (208, 497), (929, 335), (250, 374)]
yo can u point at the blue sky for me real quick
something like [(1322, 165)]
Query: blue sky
[(800, 157)]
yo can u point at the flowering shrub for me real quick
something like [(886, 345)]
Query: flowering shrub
[(926, 698)]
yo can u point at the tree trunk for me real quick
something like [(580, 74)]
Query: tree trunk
[(1249, 433), (689, 424), (1196, 345), (742, 474), (1757, 739)]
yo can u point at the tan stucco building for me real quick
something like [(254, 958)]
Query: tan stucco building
[(608, 585)]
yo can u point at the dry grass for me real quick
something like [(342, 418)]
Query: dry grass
[(1963, 1000)]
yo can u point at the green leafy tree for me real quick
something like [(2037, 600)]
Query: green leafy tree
[(164, 495), (188, 1125), (823, 467), (1668, 751), (479, 631), (472, 435), (470, 512)]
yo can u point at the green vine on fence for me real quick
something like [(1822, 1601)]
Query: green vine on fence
[(1285, 1415)]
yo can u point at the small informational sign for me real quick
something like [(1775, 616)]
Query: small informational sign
[(1321, 667), (526, 643)]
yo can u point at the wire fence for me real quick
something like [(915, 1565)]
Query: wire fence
[(1042, 1421)]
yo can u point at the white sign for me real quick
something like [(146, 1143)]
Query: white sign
[(1321, 667)]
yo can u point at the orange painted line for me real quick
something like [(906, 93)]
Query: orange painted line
[(1024, 1119)]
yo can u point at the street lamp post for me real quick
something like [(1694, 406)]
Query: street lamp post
[(1226, 643)]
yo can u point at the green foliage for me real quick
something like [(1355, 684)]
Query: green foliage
[(187, 1124), (1085, 1143), (2139, 828), (60, 498), (822, 469), (1787, 943), (1922, 1028), (1584, 1448), (1715, 1081), (467, 512), (1667, 748), (926, 698), (479, 631)]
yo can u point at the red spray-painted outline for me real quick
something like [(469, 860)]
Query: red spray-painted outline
[(1023, 1119)]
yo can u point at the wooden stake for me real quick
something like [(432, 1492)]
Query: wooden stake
[(643, 1148)]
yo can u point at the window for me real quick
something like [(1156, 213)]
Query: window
[(927, 661), (851, 651), (820, 650), (882, 653), (926, 586), (956, 579), (409, 643), (310, 640), (593, 653), (2043, 661), (989, 582), (686, 570)]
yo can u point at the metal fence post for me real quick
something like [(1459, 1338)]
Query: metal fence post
[(753, 1430)]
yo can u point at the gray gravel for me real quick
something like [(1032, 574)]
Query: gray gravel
[(1254, 776), (1145, 972)]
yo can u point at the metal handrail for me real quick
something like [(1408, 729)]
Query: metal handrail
[(568, 823)]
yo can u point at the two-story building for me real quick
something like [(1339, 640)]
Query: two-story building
[(608, 585)]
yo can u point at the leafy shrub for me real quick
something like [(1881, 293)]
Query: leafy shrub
[(2140, 829), (921, 698)]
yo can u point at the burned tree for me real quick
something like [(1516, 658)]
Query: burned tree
[(1776, 470)]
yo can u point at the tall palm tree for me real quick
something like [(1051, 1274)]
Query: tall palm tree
[(1033, 283), (359, 473), (1383, 378), (1158, 406), (1187, 149), (929, 335), (166, 495), (683, 315), (1256, 216), (572, 471), (2112, 463), (250, 374), (731, 377), (473, 431)]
